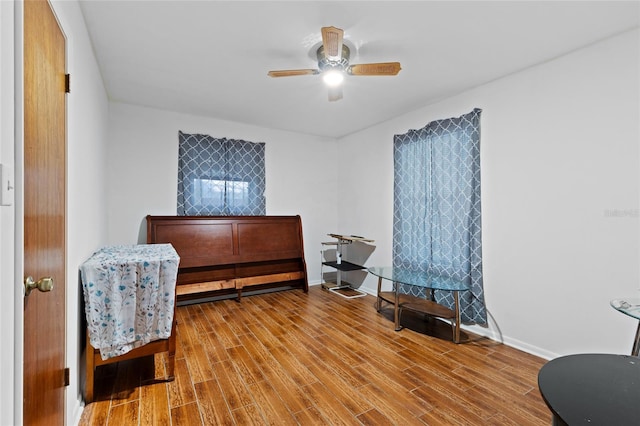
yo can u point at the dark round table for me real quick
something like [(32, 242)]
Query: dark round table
[(594, 389)]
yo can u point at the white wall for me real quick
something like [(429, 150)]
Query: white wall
[(560, 186), (87, 119), (7, 216), (301, 173)]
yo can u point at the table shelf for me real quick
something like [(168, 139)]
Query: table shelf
[(344, 266), (418, 304)]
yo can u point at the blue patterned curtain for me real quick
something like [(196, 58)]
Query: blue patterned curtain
[(437, 220), (221, 177)]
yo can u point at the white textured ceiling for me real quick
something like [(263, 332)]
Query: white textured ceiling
[(211, 58)]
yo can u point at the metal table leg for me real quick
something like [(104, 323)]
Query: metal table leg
[(456, 336)]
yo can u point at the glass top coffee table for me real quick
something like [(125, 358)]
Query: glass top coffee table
[(406, 301), (630, 306)]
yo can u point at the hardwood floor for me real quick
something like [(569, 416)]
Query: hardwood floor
[(291, 358)]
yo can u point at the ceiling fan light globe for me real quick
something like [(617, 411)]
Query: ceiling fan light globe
[(333, 78)]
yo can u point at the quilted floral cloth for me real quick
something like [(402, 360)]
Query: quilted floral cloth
[(129, 295)]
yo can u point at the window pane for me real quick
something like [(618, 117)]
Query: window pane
[(211, 192), (238, 193), (207, 192)]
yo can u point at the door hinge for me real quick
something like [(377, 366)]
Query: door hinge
[(66, 376), (67, 83)]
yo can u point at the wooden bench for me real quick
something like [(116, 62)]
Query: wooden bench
[(121, 258), (93, 359)]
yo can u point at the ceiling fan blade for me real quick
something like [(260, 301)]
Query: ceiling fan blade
[(332, 42), (291, 73), (381, 68), (335, 93)]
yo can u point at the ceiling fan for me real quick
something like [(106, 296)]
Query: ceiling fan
[(333, 64)]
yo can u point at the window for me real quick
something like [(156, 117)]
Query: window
[(220, 177), (213, 192), (436, 208)]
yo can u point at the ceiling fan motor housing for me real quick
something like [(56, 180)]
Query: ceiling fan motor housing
[(325, 64)]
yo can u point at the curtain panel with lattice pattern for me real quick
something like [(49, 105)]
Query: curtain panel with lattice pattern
[(220, 176), (437, 215)]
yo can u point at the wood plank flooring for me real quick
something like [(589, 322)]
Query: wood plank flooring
[(290, 358)]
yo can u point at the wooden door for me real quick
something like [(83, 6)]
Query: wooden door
[(44, 214)]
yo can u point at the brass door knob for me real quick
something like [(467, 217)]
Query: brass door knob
[(43, 284)]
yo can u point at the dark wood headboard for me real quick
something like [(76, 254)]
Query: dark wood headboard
[(222, 255)]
